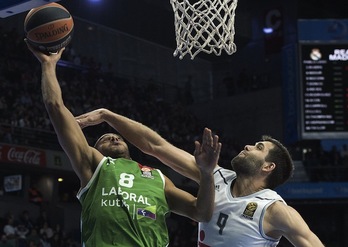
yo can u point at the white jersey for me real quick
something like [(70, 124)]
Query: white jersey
[(236, 222)]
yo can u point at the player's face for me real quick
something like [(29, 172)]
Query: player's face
[(251, 159), (113, 145)]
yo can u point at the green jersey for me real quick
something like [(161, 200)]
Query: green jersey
[(124, 205)]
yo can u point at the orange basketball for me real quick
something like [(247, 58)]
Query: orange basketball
[(49, 27)]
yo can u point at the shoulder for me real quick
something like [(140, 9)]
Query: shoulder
[(278, 208), (270, 195), (281, 216)]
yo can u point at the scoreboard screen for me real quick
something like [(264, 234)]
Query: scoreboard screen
[(324, 90)]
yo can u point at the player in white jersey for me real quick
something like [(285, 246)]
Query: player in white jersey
[(247, 210), (237, 218)]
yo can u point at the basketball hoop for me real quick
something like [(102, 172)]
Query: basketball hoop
[(205, 26)]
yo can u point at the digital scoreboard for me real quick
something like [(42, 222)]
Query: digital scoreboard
[(324, 90)]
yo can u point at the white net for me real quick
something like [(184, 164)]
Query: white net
[(205, 26)]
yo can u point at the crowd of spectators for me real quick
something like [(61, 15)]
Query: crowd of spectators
[(25, 231)]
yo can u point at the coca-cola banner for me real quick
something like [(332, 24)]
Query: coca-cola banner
[(22, 155)]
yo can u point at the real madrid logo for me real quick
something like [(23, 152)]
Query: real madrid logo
[(250, 210), (315, 54)]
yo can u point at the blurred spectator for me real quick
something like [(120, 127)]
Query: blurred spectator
[(57, 241), (44, 241), (26, 220), (33, 238), (10, 230), (46, 230), (5, 134), (21, 232), (33, 244), (58, 230), (4, 242), (42, 219)]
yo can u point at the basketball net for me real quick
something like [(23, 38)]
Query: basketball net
[(205, 26)]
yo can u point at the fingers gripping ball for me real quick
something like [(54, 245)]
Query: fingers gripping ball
[(49, 27)]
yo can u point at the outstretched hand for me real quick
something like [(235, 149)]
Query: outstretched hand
[(44, 57), (207, 154), (90, 118)]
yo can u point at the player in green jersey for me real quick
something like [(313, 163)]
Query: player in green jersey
[(123, 202)]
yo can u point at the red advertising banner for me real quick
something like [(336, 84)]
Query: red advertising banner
[(22, 155)]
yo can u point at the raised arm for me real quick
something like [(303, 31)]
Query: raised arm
[(70, 135), (198, 208), (147, 140)]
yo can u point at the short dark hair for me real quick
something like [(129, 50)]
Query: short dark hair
[(284, 165)]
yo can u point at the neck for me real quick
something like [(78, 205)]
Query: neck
[(244, 187)]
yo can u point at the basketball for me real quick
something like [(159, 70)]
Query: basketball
[(49, 28)]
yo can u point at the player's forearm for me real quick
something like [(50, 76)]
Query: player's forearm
[(136, 133), (205, 198), (51, 92)]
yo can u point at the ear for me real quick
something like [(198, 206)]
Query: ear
[(269, 166)]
